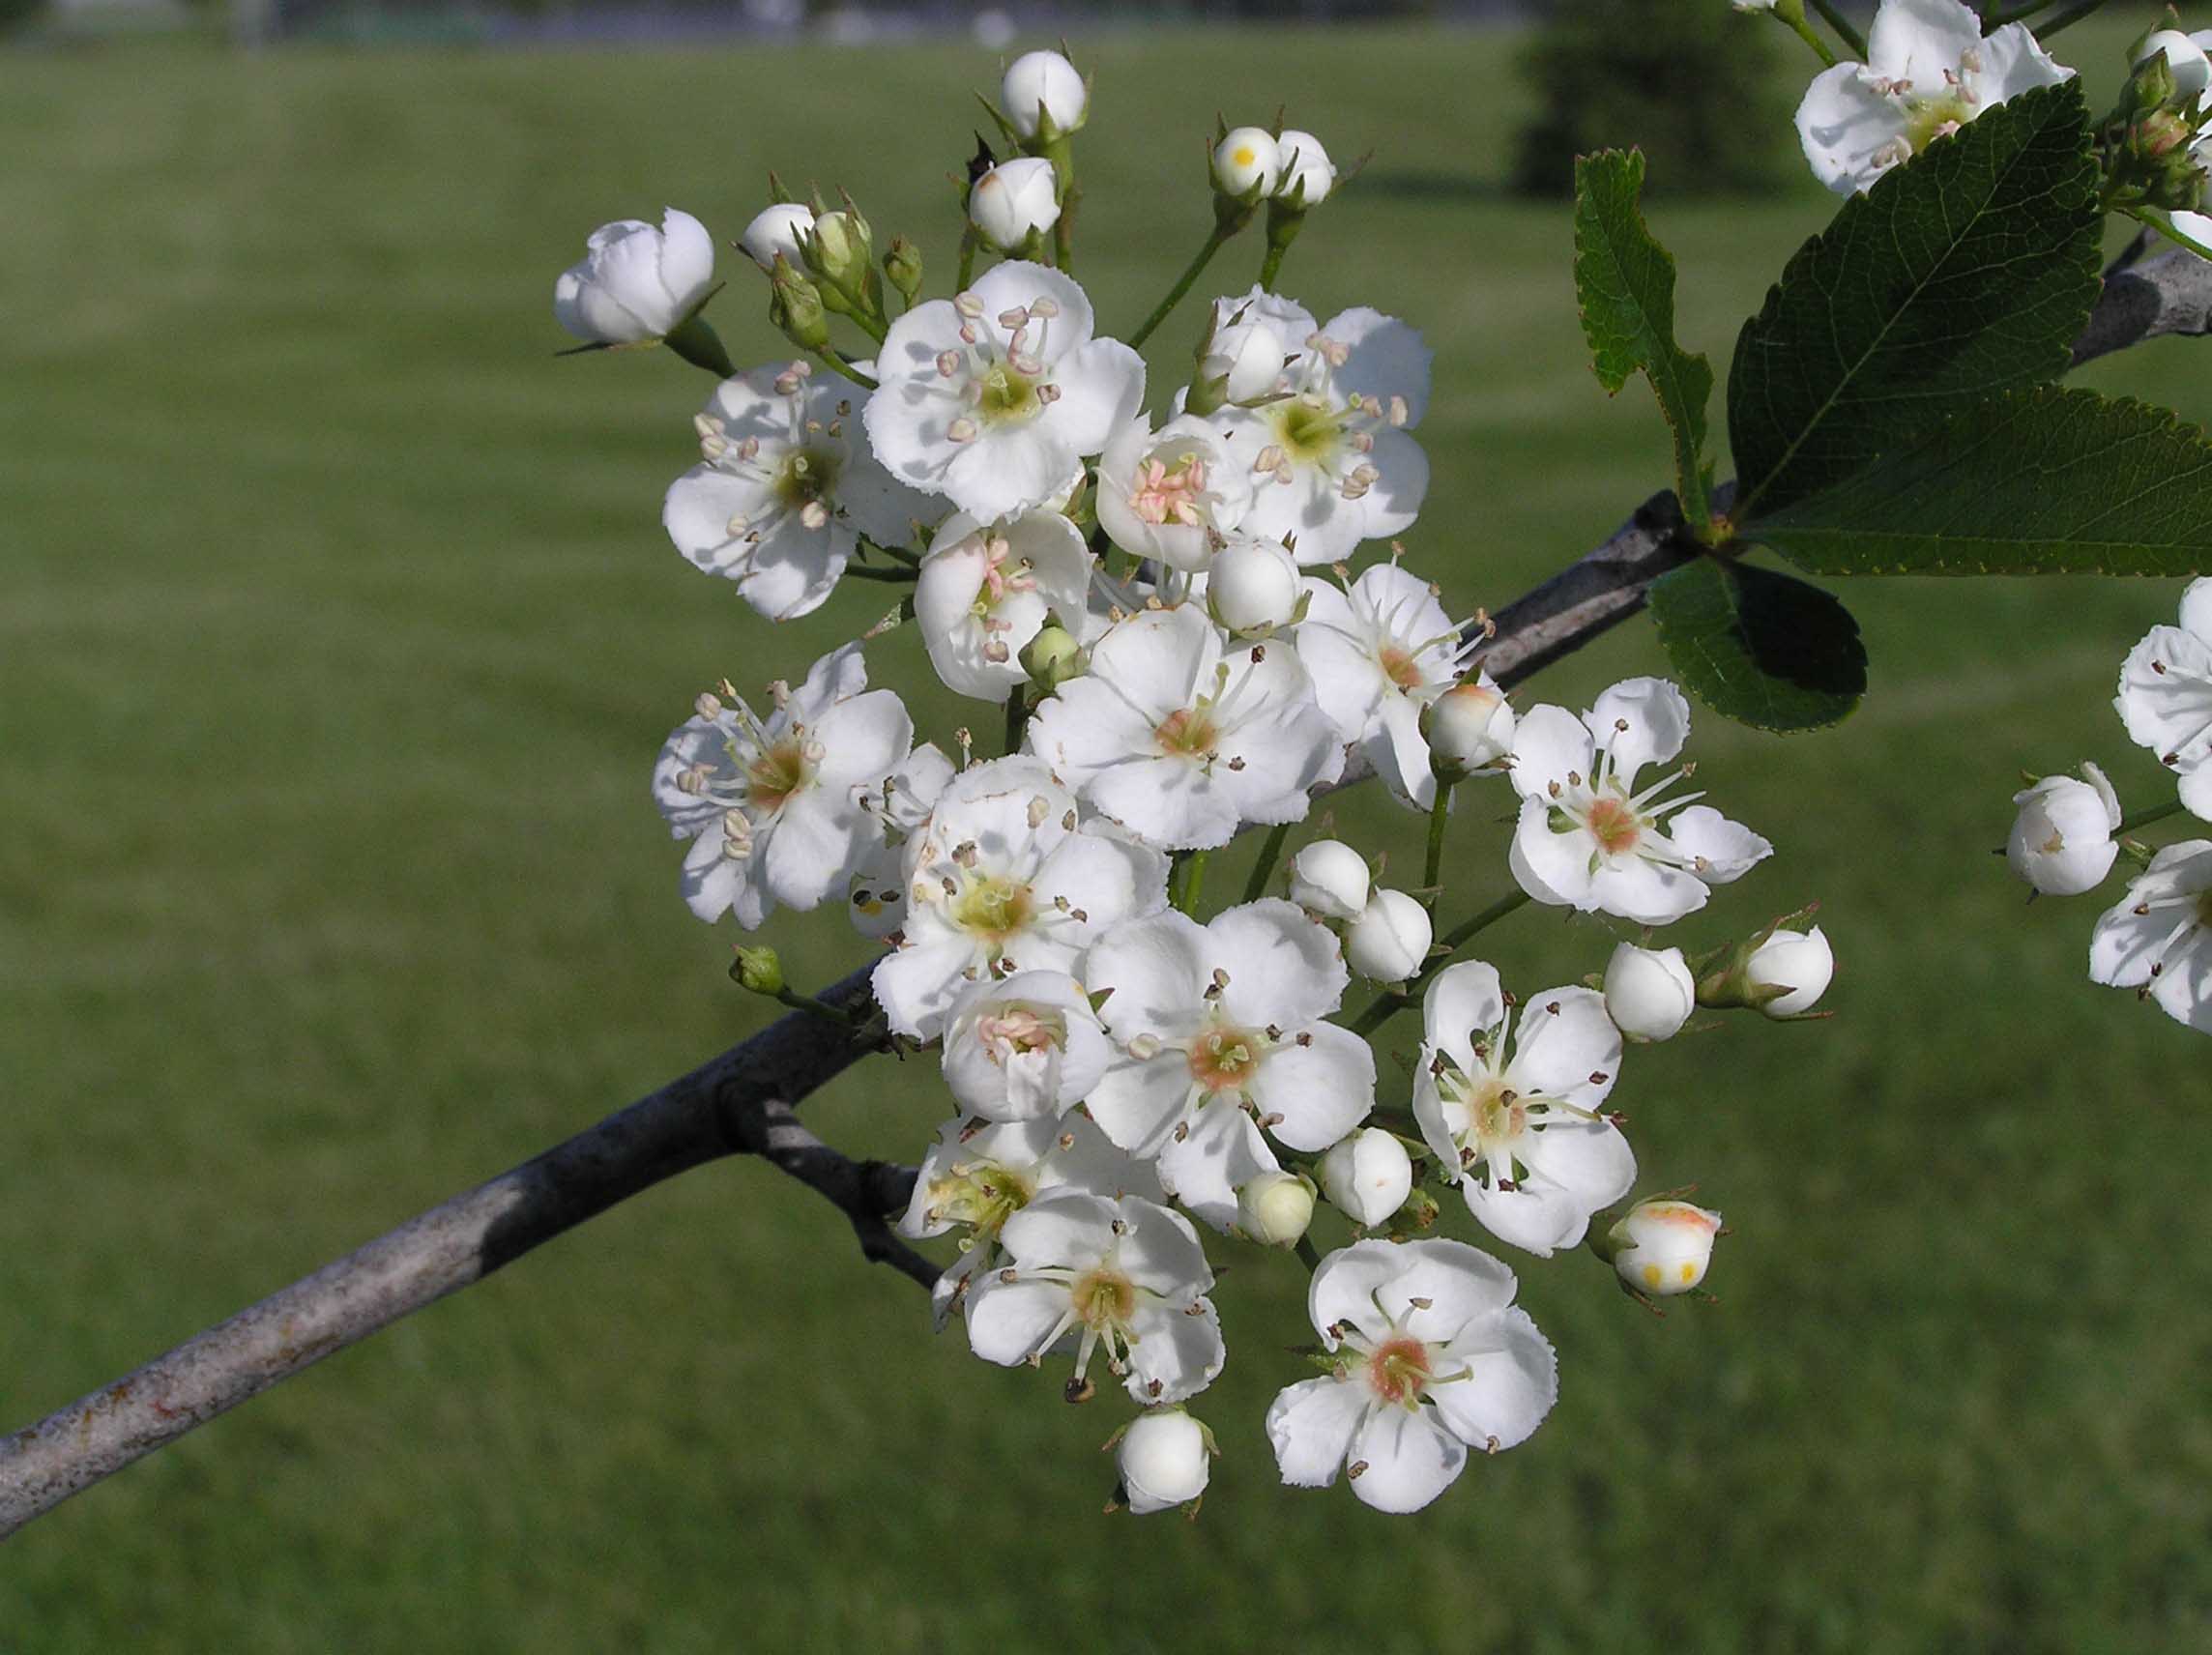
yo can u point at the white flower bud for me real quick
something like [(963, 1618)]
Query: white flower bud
[(1305, 164), (1013, 199), (1253, 586), (2062, 841), (1247, 359), (1164, 1460), (636, 282), (1467, 727), (1368, 1174), (1664, 1247), (1329, 878), (777, 229), (1047, 81), (1391, 939), (1649, 993), (1245, 161), (1801, 962), (1274, 1208), (2191, 69)]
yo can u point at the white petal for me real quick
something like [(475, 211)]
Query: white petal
[(816, 843), (1590, 1164), (1553, 868), (1139, 1103), (1174, 1356), (1222, 1154), (1460, 1285), (1347, 1287), (1387, 359), (1537, 1217), (1408, 1458), (1639, 721), (1321, 1089), (1851, 134), (1101, 387), (1311, 1426), (1009, 1322), (1154, 972), (1001, 471), (1726, 850), (2013, 62), (1918, 40), (1550, 744), (1283, 968), (1462, 1000), (1513, 1380), (1160, 1252), (1558, 1052)]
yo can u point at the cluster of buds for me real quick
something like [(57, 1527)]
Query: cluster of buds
[(2152, 142)]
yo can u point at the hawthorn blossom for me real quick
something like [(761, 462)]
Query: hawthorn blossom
[(1253, 589), (1022, 1046), (1171, 494), (1003, 879), (1330, 879), (1252, 341), (2166, 696), (1927, 72), (1432, 1359), (979, 1174), (1014, 201), (1801, 963), (1368, 1174), (2158, 939), (635, 282), (783, 494), (2061, 840), (983, 592), (773, 806), (1589, 840), (1128, 1275), (1181, 743), (1247, 161), (1330, 462), (780, 228), (1663, 1247), (991, 398), (1275, 1209), (1534, 1156), (875, 893), (1380, 651), (1218, 1032), (1041, 87), (1308, 174), (1165, 1460), (1649, 993)]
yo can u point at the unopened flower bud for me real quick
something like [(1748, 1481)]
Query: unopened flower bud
[(1052, 658), (636, 282), (783, 229), (1329, 878), (759, 971), (1391, 939), (1308, 175), (1043, 94), (1246, 164), (1253, 584), (1649, 993), (1368, 1176), (840, 249), (2062, 841), (1275, 1209), (795, 306), (1014, 201), (2189, 69), (1164, 1459), (1469, 726), (1801, 962), (1663, 1247), (902, 268)]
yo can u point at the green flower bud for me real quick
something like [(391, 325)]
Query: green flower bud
[(1052, 658), (902, 266), (758, 970), (795, 306)]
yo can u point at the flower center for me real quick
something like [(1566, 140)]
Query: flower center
[(1306, 428), (999, 579), (778, 774), (1187, 733), (1498, 1114), (1007, 396), (994, 906), (1399, 1369), (1614, 826), (1400, 667), (1927, 119), (1020, 1029), (1168, 494), (1225, 1058), (807, 476), (1104, 1299), (982, 1194)]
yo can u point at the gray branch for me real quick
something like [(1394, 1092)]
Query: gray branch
[(742, 1102)]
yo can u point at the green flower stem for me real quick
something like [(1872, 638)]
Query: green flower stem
[(966, 258), (1845, 30), (912, 560), (2165, 227), (1062, 155), (1017, 719), (902, 574), (1390, 1001), (1193, 881), (2072, 14), (1213, 243), (1263, 870), (2145, 817), (1433, 871), (808, 1004), (1804, 32), (1307, 1256), (838, 363)]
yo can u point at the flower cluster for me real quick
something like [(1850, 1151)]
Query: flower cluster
[(1155, 589)]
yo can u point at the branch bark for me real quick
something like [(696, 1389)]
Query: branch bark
[(744, 1102)]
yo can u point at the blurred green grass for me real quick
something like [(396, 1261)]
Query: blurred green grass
[(337, 638)]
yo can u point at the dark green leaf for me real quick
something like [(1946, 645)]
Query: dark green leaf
[(1625, 282), (1760, 647), (1967, 270), (2042, 481)]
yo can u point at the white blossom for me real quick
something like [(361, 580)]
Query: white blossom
[(1308, 175), (1329, 456), (1434, 1359), (875, 893), (1275, 1209), (1389, 941), (1183, 743), (2158, 939), (781, 228), (992, 399), (1588, 840), (2061, 840), (1469, 728), (773, 806), (1171, 494), (1043, 84), (2184, 55), (1127, 1275), (1002, 878), (1649, 993), (1253, 587), (1164, 1460), (2166, 696), (1534, 1156), (1214, 1025), (783, 492), (1022, 1046), (636, 282), (1246, 159), (1368, 1174), (1256, 337), (1927, 72), (1665, 1246), (1379, 652), (1799, 961), (1014, 201), (984, 593), (1330, 878)]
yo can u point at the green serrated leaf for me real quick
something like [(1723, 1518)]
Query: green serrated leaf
[(1624, 283), (1967, 270), (1764, 649), (2042, 481)]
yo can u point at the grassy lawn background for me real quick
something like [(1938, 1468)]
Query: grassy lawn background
[(337, 639)]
